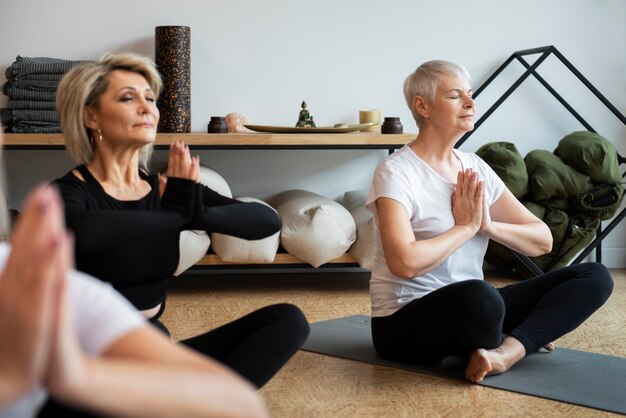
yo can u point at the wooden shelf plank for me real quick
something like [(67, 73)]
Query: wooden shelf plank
[(235, 140), (33, 139)]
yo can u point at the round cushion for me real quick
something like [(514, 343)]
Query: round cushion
[(315, 229), (214, 181), (363, 248), (238, 250), (194, 244)]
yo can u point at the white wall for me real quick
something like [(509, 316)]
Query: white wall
[(264, 58)]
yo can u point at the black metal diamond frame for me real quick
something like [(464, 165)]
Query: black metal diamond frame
[(532, 70)]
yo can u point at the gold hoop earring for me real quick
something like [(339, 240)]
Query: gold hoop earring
[(99, 137)]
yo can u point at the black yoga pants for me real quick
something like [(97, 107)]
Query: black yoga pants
[(462, 317), (258, 344)]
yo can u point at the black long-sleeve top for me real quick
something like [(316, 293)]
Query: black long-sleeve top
[(134, 245)]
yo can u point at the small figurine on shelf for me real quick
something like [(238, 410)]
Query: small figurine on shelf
[(305, 120)]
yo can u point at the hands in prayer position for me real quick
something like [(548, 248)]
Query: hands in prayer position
[(181, 164), (37, 340)]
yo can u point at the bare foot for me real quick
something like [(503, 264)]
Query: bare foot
[(479, 366), (550, 346), (498, 360)]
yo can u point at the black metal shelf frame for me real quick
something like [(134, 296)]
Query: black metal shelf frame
[(545, 52)]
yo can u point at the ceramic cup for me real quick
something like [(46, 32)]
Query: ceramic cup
[(370, 115)]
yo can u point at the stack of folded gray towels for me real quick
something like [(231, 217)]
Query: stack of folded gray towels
[(31, 86)]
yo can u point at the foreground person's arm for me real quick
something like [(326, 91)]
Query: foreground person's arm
[(143, 374)]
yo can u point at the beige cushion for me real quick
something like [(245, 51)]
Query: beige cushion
[(214, 181), (315, 229), (238, 250), (363, 248), (193, 245)]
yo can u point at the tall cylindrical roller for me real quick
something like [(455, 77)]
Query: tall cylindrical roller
[(173, 59)]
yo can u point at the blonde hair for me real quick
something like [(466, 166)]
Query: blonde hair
[(425, 80), (83, 85)]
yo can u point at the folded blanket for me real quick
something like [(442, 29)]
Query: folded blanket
[(25, 65), (24, 94), (43, 85), (33, 127), (39, 76), (32, 104), (13, 116)]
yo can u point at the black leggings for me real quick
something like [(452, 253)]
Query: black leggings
[(256, 346), (462, 317)]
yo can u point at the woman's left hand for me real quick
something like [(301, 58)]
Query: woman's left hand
[(485, 225)]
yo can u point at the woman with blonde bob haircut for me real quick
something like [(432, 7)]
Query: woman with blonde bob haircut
[(127, 221), (83, 88)]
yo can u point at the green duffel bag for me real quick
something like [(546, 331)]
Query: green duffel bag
[(508, 163), (570, 235), (590, 154), (601, 202), (549, 177), (500, 256)]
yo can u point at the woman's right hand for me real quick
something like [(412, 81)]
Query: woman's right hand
[(467, 200), (181, 164)]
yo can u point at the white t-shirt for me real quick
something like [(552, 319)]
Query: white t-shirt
[(101, 316), (406, 178)]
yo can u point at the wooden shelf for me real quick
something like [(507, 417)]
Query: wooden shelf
[(360, 140)]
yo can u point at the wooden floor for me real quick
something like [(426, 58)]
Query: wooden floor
[(314, 385)]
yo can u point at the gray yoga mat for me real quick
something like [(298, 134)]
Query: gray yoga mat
[(577, 377)]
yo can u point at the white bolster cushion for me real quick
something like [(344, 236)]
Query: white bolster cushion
[(315, 229), (363, 248), (238, 250), (193, 245)]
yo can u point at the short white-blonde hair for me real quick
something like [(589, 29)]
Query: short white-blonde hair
[(425, 80), (83, 85)]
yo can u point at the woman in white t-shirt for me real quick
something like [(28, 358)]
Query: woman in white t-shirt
[(70, 336), (435, 209)]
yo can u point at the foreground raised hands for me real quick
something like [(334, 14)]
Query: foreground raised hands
[(31, 288)]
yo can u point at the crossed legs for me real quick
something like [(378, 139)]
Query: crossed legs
[(470, 318)]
